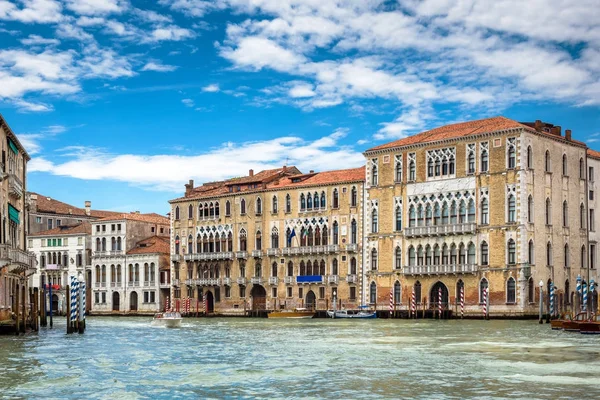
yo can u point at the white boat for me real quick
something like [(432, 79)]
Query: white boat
[(167, 319), (351, 314)]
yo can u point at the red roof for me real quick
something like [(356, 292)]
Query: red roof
[(593, 154), (47, 204), (82, 229), (152, 245), (151, 218)]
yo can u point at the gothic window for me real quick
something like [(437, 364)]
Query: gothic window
[(334, 267), (398, 170), (374, 175), (411, 256), (530, 253), (227, 208), (462, 212), (217, 209), (565, 170), (582, 218), (335, 233), (374, 259), (529, 158), (565, 216), (445, 213), (398, 219), (485, 212), (566, 256), (445, 157), (316, 201), (512, 252), (309, 204), (398, 258), (353, 266), (581, 169), (511, 291), (548, 212), (549, 254), (583, 257), (471, 254), (243, 246), (243, 207), (258, 206), (290, 269), (512, 208), (274, 269), (353, 232), (374, 221), (176, 244), (324, 200), (412, 167), (483, 285), (288, 203), (177, 213), (436, 214), (511, 153), (335, 198), (471, 158), (274, 238), (484, 253), (274, 204), (483, 147), (190, 244), (353, 197), (547, 165), (302, 202), (530, 209), (190, 211), (471, 211), (412, 217), (428, 215)]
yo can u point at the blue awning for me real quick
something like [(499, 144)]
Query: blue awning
[(13, 214), (13, 146), (309, 279)]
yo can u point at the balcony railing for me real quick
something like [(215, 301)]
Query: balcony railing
[(208, 282), (440, 269), (332, 248), (15, 186), (175, 282), (241, 281), (305, 279), (133, 283), (241, 254), (189, 282), (351, 278), (223, 255), (273, 280), (227, 281), (257, 280), (18, 260), (306, 250), (273, 252), (288, 280), (175, 257), (353, 247), (434, 230), (256, 253), (333, 279), (164, 285)]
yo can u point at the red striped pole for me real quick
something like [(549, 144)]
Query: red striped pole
[(462, 302), (413, 304), (440, 302), (167, 304), (391, 302), (204, 306), (484, 302)]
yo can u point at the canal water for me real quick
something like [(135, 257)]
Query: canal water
[(126, 358)]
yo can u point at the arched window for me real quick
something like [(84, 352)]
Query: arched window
[(428, 255), (190, 244), (547, 165), (471, 163), (412, 216), (436, 214), (567, 292), (471, 254), (530, 253), (565, 212), (242, 206), (290, 269), (530, 209), (511, 291), (302, 202), (336, 200), (374, 259), (211, 210), (484, 160), (412, 171), (98, 245), (462, 214), (274, 269), (373, 293), (217, 209), (190, 212), (398, 219), (549, 254), (417, 292), (512, 252), (397, 293), (567, 256), (565, 171), (581, 169), (334, 267), (324, 199), (398, 174), (353, 266), (412, 257), (353, 232), (445, 213), (324, 237), (530, 291), (177, 213), (374, 221), (309, 204), (288, 203), (428, 215), (227, 208), (471, 211), (176, 244), (485, 211), (302, 268), (243, 245), (583, 257), (483, 285), (257, 270), (548, 212), (451, 165), (258, 206), (103, 244), (316, 201), (274, 238), (529, 157), (512, 155), (582, 218), (398, 258), (374, 175), (353, 197), (274, 205), (512, 208), (420, 215), (336, 233)]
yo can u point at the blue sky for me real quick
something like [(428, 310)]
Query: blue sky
[(122, 101)]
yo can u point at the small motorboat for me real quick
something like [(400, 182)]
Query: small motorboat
[(557, 324), (591, 327), (352, 314), (295, 313), (169, 319), (573, 325)]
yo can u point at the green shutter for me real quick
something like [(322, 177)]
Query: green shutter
[(13, 146), (13, 214)]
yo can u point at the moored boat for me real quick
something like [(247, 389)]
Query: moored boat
[(573, 325), (591, 327), (352, 314), (167, 319), (557, 324), (295, 313)]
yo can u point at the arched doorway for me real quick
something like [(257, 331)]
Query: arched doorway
[(434, 294), (210, 302), (259, 298), (55, 304), (311, 300), (133, 301), (116, 301)]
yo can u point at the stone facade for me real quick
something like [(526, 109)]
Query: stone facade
[(279, 239)]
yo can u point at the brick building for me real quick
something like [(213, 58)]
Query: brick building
[(278, 239)]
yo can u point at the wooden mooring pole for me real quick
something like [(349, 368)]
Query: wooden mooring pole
[(68, 299)]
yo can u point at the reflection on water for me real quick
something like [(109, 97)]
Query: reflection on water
[(127, 358)]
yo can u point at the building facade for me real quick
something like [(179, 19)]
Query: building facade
[(130, 257), (593, 166), (16, 263), (493, 204), (278, 239)]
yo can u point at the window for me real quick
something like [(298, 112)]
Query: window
[(352, 295), (471, 159), (565, 170), (441, 162), (412, 167), (398, 219), (227, 208), (243, 240), (485, 212), (177, 213), (374, 175), (289, 291), (582, 217), (591, 174), (258, 206), (258, 240), (309, 205), (547, 165), (374, 221), (373, 293), (565, 216), (511, 250), (581, 169), (397, 293), (530, 209), (274, 205), (417, 288), (288, 203), (411, 256), (373, 259), (274, 269), (511, 153), (549, 254), (335, 203), (335, 232), (484, 157), (548, 212), (512, 208), (529, 158), (530, 253), (483, 286), (274, 238), (511, 291), (353, 266), (398, 258), (353, 232), (324, 201), (190, 214), (592, 256), (50, 223), (353, 197), (398, 170), (567, 256), (592, 224), (591, 194), (242, 206)]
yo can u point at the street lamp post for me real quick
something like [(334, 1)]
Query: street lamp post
[(541, 300)]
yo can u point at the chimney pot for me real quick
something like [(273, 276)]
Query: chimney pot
[(88, 207), (251, 172), (312, 171), (568, 134), (538, 125)]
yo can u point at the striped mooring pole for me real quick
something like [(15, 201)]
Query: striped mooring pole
[(585, 296), (205, 309), (413, 304), (440, 302), (74, 288), (391, 302), (552, 299), (462, 302), (578, 289), (167, 304), (484, 302)]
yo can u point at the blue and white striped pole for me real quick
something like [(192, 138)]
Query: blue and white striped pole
[(592, 287), (585, 296), (578, 289), (74, 284), (552, 299)]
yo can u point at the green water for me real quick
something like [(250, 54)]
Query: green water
[(126, 358)]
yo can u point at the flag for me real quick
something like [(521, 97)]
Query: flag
[(291, 236)]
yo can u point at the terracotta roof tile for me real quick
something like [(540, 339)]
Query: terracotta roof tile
[(151, 218), (593, 154), (49, 205), (83, 228), (152, 245)]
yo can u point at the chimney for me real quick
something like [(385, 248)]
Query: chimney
[(251, 172), (555, 130), (538, 125), (88, 207), (312, 171), (189, 187), (568, 134)]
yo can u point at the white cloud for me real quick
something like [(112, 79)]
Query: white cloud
[(258, 53), (32, 141), (188, 102), (97, 7), (31, 11), (409, 122), (158, 67), (90, 21), (28, 106), (191, 8), (151, 16), (301, 90), (164, 172), (36, 40), (212, 88), (171, 32)]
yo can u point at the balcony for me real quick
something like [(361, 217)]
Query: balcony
[(149, 284), (257, 280), (189, 282), (440, 269), (227, 281), (435, 230), (18, 260), (307, 279), (307, 250), (288, 280), (241, 254), (134, 284), (164, 285), (175, 282), (241, 281), (273, 252), (351, 279), (175, 257), (223, 255), (352, 247), (208, 282), (273, 280), (333, 279), (332, 248), (257, 253), (15, 186)]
